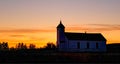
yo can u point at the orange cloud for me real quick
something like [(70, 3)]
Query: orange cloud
[(17, 35), (27, 30), (95, 27), (105, 25)]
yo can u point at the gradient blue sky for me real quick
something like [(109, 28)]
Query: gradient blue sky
[(31, 18)]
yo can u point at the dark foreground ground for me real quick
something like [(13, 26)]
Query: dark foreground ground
[(48, 56)]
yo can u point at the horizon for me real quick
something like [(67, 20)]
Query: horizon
[(35, 21)]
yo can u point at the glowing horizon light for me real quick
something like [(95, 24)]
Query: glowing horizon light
[(40, 38)]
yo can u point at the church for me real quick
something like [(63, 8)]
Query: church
[(79, 42)]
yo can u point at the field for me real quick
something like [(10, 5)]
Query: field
[(50, 56), (46, 56)]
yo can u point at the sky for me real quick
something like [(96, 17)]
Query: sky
[(35, 21)]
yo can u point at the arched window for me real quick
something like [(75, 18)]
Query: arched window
[(96, 45), (78, 45), (87, 44), (62, 41)]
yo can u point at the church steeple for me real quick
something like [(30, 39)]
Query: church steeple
[(60, 35), (60, 25), (60, 21)]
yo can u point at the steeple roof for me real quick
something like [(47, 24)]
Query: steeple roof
[(60, 25)]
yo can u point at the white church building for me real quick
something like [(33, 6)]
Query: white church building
[(79, 42)]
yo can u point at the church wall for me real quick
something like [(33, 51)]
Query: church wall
[(64, 46), (102, 46), (83, 45)]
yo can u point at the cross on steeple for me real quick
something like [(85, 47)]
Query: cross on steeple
[(60, 25)]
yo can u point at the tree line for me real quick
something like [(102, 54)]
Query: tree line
[(5, 46)]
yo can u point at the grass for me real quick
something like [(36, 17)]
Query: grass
[(54, 56)]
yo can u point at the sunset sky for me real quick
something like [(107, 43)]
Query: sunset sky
[(35, 21)]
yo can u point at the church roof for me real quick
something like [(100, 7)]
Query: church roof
[(60, 25), (85, 36)]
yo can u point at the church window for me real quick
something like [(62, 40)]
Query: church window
[(87, 44), (62, 41), (96, 45), (78, 45)]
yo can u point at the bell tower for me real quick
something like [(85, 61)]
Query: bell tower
[(60, 36)]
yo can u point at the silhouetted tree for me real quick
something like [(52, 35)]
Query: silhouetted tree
[(0, 46), (4, 46), (21, 46), (32, 46), (50, 45), (12, 48)]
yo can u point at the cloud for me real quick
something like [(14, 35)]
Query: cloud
[(26, 30), (87, 27), (95, 27), (107, 26), (37, 38), (26, 37), (17, 35)]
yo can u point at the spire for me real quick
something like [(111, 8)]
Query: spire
[(60, 21), (60, 25)]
